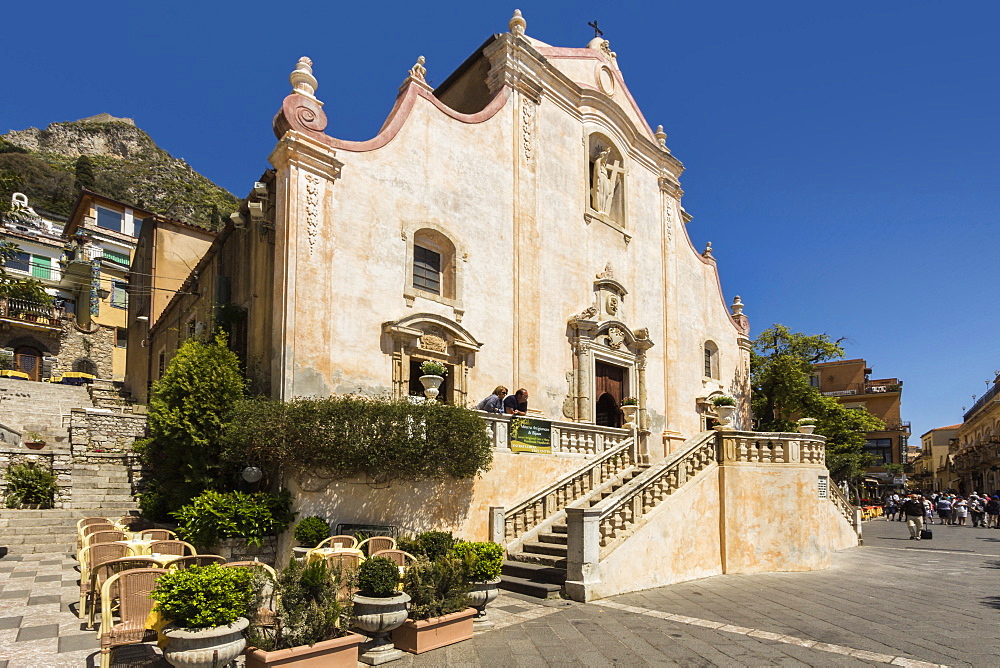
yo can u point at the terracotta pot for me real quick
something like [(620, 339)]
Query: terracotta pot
[(422, 636), (196, 648), (335, 653), (482, 594), (377, 617), (431, 384), (35, 445)]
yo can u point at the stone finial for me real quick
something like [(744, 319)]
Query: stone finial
[(737, 306), (661, 136), (418, 71), (302, 79), (19, 201), (517, 25), (609, 272), (707, 253)]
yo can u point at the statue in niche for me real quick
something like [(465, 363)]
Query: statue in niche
[(606, 179)]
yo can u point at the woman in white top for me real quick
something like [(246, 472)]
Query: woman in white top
[(961, 510)]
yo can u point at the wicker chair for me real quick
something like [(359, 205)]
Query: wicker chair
[(158, 534), (99, 575), (134, 606), (172, 547), (87, 521), (195, 560), (345, 541), (89, 529), (265, 613), (377, 544), (346, 564), (398, 557), (91, 557)]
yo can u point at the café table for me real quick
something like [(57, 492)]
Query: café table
[(320, 553), (137, 546)]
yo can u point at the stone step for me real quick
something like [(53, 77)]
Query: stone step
[(542, 590), (535, 572), (543, 559), (62, 513), (558, 528), (555, 538), (545, 548)]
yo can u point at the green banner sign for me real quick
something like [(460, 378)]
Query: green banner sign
[(529, 435)]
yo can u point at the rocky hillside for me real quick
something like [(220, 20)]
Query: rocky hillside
[(122, 162)]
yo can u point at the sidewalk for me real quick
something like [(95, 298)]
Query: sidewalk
[(894, 601)]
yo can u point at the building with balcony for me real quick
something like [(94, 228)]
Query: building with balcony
[(850, 383), (975, 465), (83, 262)]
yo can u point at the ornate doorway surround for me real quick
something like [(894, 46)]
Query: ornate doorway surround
[(427, 336), (599, 336)]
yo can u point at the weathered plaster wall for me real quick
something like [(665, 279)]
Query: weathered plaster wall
[(774, 518), (678, 542), (461, 506)]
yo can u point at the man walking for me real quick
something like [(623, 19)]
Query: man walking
[(913, 508)]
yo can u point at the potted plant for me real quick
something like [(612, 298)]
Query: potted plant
[(206, 607), (630, 407), (806, 425), (483, 563), (310, 623), (430, 544), (434, 373), (34, 440), (439, 613), (29, 486), (725, 406), (379, 608), (309, 533)]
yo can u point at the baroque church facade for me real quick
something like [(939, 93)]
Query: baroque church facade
[(520, 223)]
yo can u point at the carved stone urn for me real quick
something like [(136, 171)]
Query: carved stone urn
[(630, 411), (431, 384), (725, 415), (377, 617), (207, 647), (807, 428), (482, 594)]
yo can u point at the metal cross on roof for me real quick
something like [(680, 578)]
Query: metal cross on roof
[(597, 31)]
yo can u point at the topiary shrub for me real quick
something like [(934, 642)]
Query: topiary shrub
[(30, 484), (483, 561), (436, 587), (430, 544), (311, 531), (213, 516), (723, 400), (378, 577), (204, 596)]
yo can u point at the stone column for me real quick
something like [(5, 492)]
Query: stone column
[(497, 532)]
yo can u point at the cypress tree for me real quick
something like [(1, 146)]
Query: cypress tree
[(84, 173)]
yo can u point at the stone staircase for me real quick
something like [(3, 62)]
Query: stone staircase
[(27, 406), (539, 569)]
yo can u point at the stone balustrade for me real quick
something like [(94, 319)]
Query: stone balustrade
[(772, 448), (568, 438), (555, 497)]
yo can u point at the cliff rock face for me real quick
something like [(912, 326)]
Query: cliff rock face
[(126, 165)]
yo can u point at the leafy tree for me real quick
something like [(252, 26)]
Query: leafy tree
[(780, 366), (84, 173), (189, 408)]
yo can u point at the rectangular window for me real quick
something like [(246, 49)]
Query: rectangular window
[(108, 219), (161, 364), (119, 297), (426, 270), (814, 380), (122, 339), (192, 328), (115, 256), (708, 362), (20, 262), (41, 267), (880, 449)]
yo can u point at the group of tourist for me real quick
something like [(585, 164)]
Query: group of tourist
[(501, 402), (951, 509)]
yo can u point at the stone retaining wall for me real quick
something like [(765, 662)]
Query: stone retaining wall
[(60, 463), (91, 431)]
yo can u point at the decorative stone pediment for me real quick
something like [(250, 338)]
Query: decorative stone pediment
[(428, 336)]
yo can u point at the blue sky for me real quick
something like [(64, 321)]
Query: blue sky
[(841, 157)]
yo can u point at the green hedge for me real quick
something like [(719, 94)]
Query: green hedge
[(213, 516), (351, 435)]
